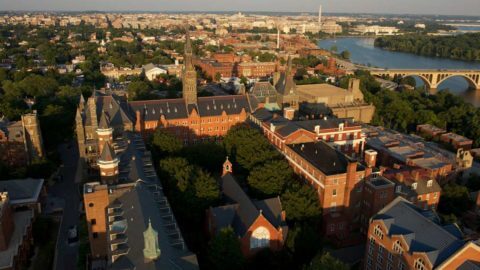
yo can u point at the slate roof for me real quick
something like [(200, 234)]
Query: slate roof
[(171, 257), (108, 154), (408, 180), (324, 157), (421, 234), (241, 211), (151, 110), (111, 105), (262, 90), (285, 85), (104, 123), (22, 190)]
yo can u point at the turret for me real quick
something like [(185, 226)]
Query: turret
[(33, 135), (104, 132), (227, 167), (108, 164)]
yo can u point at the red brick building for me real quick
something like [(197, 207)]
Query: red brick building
[(15, 235), (343, 134), (258, 224), (415, 185), (401, 236)]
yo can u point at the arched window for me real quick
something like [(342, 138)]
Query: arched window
[(397, 247), (420, 264), (260, 238), (378, 231)]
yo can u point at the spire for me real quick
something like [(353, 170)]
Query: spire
[(289, 83), (78, 116), (150, 238), (188, 42), (108, 154), (103, 123), (189, 76), (188, 51)]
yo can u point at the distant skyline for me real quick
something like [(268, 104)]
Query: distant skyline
[(434, 7)]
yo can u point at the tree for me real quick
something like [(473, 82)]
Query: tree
[(455, 200), (248, 147), (206, 188), (334, 48), (325, 261), (345, 54), (304, 242), (224, 251), (300, 203), (139, 90), (208, 155), (166, 143), (270, 178), (218, 76)]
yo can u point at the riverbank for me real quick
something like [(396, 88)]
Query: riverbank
[(364, 53), (465, 47)]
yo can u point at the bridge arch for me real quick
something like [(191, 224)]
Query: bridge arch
[(472, 82)]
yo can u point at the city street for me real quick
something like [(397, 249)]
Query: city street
[(67, 189)]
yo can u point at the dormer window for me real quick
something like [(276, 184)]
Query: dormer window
[(414, 186), (429, 183)]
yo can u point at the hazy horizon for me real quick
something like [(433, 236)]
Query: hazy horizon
[(414, 7)]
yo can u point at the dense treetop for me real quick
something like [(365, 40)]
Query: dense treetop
[(464, 47)]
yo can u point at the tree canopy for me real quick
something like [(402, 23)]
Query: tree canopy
[(224, 251)]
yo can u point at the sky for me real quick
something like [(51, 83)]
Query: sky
[(438, 7)]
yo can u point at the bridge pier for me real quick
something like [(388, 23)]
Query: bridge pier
[(432, 91)]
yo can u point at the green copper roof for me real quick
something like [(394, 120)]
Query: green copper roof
[(150, 237)]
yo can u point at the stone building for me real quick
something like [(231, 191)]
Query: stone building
[(21, 142), (257, 223), (287, 89)]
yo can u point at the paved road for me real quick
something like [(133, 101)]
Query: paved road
[(68, 190)]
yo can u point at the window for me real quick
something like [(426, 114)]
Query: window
[(429, 183), (95, 235), (414, 186), (390, 256), (93, 221), (379, 259), (419, 264), (378, 231), (380, 249), (401, 266), (90, 204), (397, 247), (260, 238), (334, 192)]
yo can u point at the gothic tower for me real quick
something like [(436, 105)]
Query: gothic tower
[(104, 132), (108, 164), (189, 75), (33, 136)]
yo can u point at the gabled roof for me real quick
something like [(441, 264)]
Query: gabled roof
[(421, 233), (242, 211)]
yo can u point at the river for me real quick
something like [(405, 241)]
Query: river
[(363, 52)]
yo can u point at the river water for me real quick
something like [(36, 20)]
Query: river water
[(363, 52)]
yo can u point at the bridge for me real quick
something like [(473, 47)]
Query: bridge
[(432, 78)]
